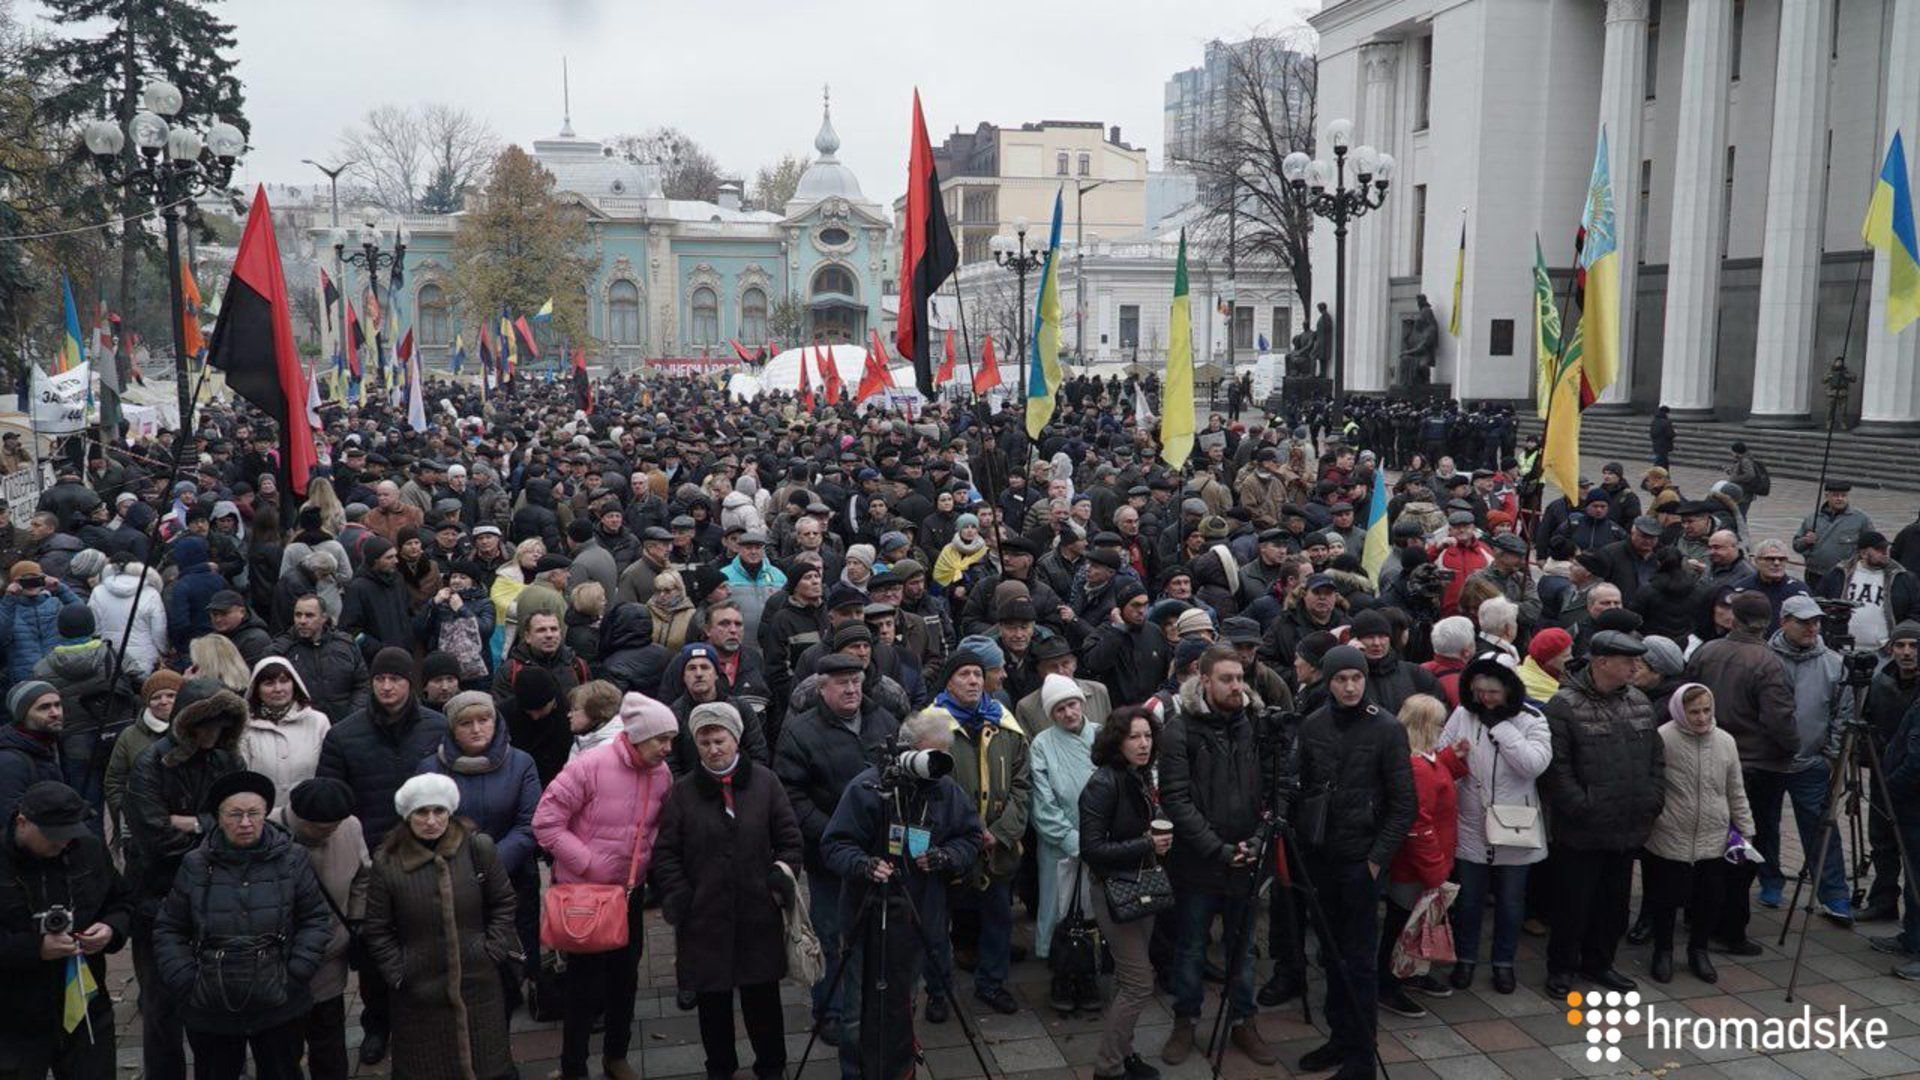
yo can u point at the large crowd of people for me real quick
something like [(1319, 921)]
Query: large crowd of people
[(449, 728)]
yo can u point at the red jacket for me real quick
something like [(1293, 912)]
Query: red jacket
[(1448, 672), (1464, 562), (1426, 856)]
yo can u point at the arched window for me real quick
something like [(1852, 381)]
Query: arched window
[(435, 324), (706, 317), (623, 313), (753, 316), (834, 279)]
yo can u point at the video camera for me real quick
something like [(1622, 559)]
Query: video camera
[(1836, 618)]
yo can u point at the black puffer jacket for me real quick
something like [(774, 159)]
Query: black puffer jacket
[(817, 757), (628, 657), (1211, 784), (1131, 662), (228, 892), (1114, 811), (25, 760), (82, 879), (374, 754), (1607, 781), (1360, 756), (251, 637), (537, 518), (379, 608), (332, 668), (172, 777), (1391, 681)]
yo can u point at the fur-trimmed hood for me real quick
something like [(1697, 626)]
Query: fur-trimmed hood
[(200, 702)]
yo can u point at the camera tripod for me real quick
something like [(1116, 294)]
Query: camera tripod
[(1275, 832), (1842, 786), (875, 914)]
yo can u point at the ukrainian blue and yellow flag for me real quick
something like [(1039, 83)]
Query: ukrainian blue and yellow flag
[(80, 989), (1374, 555), (72, 352), (1889, 228), (1043, 349), (545, 313)]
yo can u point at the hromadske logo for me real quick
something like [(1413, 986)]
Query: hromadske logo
[(1603, 1016), (1606, 1016)]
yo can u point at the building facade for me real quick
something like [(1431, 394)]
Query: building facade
[(1744, 137), (992, 178), (1200, 99), (678, 277)]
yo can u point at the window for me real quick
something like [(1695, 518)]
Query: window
[(834, 279), (1419, 229), (1739, 31), (1282, 329), (1726, 206), (1129, 326), (435, 326), (1653, 48), (706, 317), (753, 315), (1423, 88), (1640, 229), (1060, 163), (1242, 327), (1501, 338), (623, 313), (834, 236), (1086, 164)]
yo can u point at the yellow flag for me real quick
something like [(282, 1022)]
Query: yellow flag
[(1176, 398)]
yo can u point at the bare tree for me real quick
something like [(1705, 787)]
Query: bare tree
[(1262, 110), (687, 169), (421, 159), (773, 185)]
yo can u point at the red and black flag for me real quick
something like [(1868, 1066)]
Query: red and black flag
[(523, 332), (356, 340), (582, 386), (253, 343), (927, 253), (329, 296)]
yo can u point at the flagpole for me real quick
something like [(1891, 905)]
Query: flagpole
[(1559, 354), (986, 435)]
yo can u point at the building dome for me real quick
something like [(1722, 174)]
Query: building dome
[(826, 177)]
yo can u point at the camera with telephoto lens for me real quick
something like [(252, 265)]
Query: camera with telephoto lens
[(1428, 580), (1836, 618), (57, 919), (898, 767)]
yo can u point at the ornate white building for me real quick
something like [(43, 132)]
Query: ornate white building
[(1744, 139)]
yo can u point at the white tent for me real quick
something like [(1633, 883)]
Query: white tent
[(783, 371)]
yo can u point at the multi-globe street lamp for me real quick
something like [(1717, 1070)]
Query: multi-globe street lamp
[(1013, 253), (371, 259), (175, 165), (1321, 189)]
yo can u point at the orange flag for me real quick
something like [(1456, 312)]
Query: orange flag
[(988, 375), (806, 384), (945, 375), (874, 378), (190, 312), (830, 372)]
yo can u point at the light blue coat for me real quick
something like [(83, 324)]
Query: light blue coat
[(1061, 763)]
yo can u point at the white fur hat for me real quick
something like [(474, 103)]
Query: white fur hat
[(426, 789)]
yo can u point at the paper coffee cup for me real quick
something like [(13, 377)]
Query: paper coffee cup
[(1160, 827)]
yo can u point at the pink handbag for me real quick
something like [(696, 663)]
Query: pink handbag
[(579, 917)]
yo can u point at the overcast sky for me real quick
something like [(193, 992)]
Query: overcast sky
[(743, 77)]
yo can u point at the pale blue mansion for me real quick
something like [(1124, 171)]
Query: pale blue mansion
[(678, 277)]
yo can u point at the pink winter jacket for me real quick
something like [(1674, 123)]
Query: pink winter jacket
[(586, 817)]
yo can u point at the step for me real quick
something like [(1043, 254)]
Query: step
[(1796, 454)]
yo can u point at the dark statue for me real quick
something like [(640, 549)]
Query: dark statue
[(1419, 344)]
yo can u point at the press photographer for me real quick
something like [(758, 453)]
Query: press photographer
[(60, 898), (901, 832)]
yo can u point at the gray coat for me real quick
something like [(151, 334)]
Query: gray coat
[(1834, 542), (1817, 674)]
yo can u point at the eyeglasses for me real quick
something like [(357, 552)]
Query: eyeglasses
[(1769, 558), (238, 816)]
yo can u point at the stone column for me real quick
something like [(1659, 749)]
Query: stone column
[(1623, 100), (1687, 352), (1790, 250), (1372, 346), (1892, 388)]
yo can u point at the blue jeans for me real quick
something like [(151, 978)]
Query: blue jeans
[(823, 902), (995, 905), (1193, 915), (1509, 887), (1808, 790)]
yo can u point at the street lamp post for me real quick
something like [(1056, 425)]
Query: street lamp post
[(1322, 189), (1012, 253), (370, 260), (1080, 189), (333, 193), (175, 165)]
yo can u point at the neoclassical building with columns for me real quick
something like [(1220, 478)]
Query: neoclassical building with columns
[(1744, 139), (679, 277)]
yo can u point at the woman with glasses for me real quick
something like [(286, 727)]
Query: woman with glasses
[(241, 935)]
